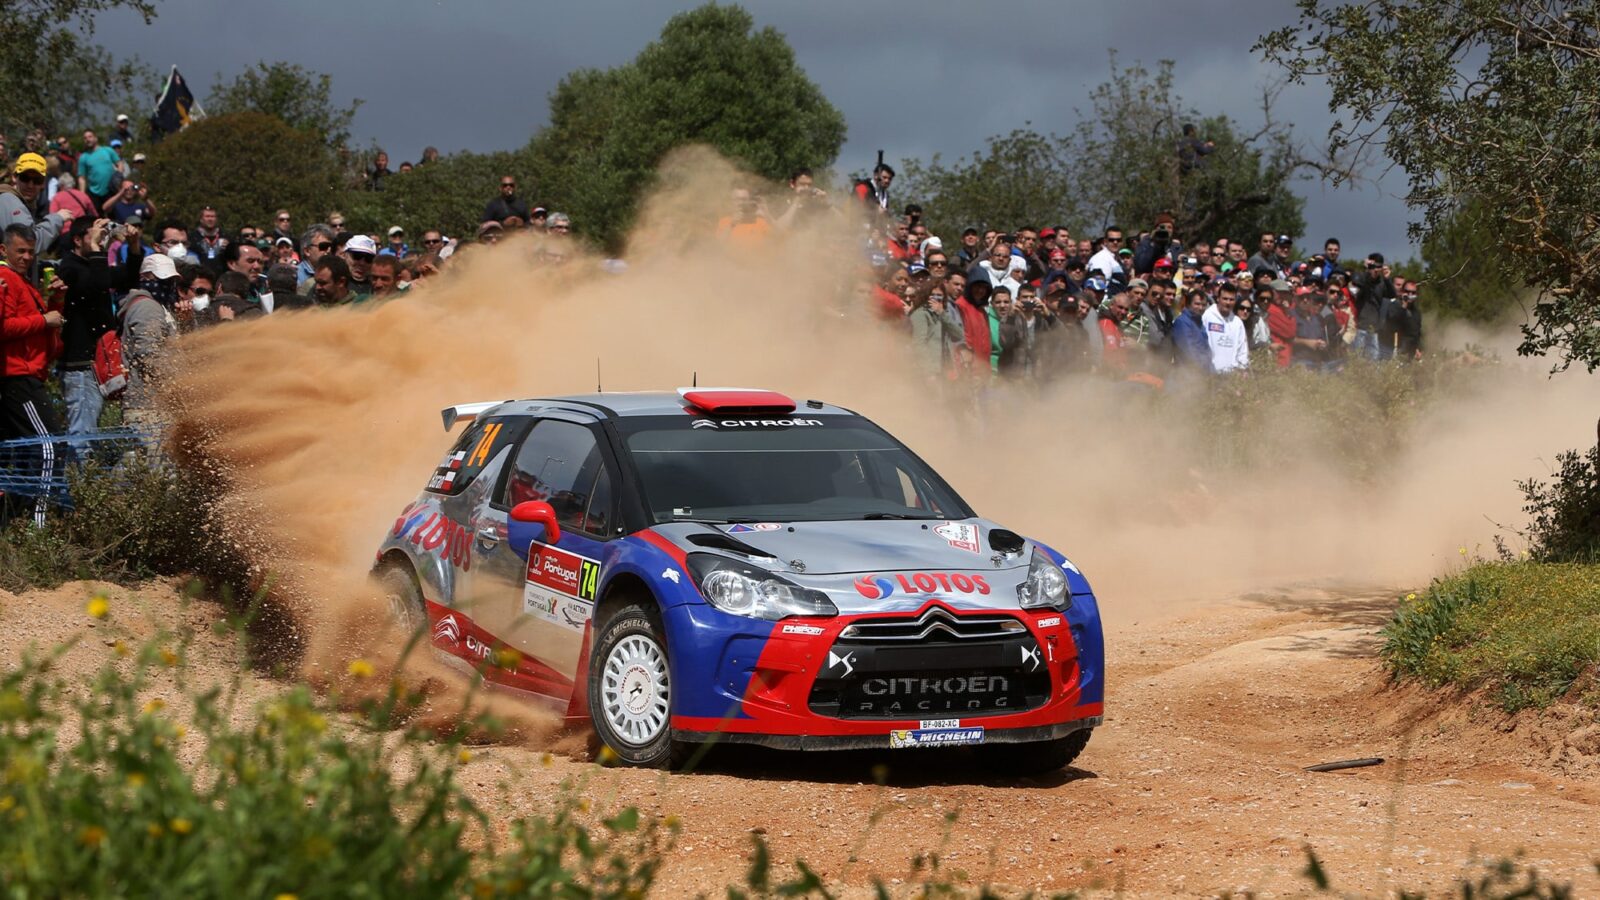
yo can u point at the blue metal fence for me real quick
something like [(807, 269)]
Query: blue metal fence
[(33, 467)]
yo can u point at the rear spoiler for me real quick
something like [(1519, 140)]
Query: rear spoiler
[(466, 412)]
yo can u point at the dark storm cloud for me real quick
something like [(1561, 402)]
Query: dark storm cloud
[(912, 79)]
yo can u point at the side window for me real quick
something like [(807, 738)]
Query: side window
[(472, 451), (561, 464)]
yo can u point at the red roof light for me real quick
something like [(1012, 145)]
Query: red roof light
[(736, 401)]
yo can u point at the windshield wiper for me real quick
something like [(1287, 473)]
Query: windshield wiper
[(888, 515)]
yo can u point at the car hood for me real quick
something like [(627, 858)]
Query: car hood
[(873, 565)]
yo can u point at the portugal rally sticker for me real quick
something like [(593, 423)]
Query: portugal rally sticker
[(935, 737)]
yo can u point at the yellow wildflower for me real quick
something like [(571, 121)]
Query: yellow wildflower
[(98, 607), (155, 706), (92, 836), (154, 829), (464, 757), (607, 756), (507, 658), (672, 821), (168, 658), (181, 826), (136, 780), (1461, 550), (547, 760), (286, 897), (1411, 597), (360, 668), (120, 649)]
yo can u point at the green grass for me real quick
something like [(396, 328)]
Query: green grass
[(1525, 631)]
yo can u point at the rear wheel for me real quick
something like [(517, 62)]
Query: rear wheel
[(1034, 757), (630, 688), (406, 609)]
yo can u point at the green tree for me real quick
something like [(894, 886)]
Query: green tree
[(1464, 278), (1121, 165), (710, 78), (1495, 100), (448, 195), (1021, 178), (295, 95), (288, 168), (52, 73)]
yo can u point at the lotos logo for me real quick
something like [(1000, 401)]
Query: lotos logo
[(874, 588), (877, 587)]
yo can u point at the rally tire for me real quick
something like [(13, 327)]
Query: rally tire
[(630, 689), (404, 596), (1034, 757)]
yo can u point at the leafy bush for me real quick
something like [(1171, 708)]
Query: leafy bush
[(142, 800), (1526, 631), (1565, 514), (134, 517), (246, 164)]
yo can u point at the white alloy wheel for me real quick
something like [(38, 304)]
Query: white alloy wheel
[(634, 690)]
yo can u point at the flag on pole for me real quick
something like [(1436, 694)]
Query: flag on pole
[(176, 108)]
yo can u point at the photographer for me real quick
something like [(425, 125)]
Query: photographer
[(805, 202), (1159, 244), (749, 225)]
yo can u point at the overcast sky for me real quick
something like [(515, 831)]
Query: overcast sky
[(475, 74)]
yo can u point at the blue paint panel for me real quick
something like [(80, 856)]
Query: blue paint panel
[(1083, 615)]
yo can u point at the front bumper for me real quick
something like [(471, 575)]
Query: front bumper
[(882, 741), (768, 689)]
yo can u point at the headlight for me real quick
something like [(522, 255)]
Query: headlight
[(1046, 584), (746, 590)]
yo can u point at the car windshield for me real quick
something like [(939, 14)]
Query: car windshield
[(781, 470)]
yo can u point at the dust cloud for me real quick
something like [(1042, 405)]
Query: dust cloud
[(329, 419)]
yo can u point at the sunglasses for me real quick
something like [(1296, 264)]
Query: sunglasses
[(364, 257), (325, 246), (509, 184), (937, 264), (431, 241), (31, 178), (283, 218)]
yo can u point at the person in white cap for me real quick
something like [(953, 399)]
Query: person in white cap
[(358, 254), (397, 243), (147, 326), (124, 132)]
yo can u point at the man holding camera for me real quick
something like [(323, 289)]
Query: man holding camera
[(90, 279), (1370, 289), (1158, 244), (24, 203)]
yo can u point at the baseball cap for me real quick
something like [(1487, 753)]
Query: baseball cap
[(1096, 284), (135, 221), (282, 241), (361, 244), (116, 142), (489, 226), (1138, 283), (396, 229), (1284, 240), (968, 230), (1048, 233), (1163, 263), (932, 243), (158, 265), (916, 269), (30, 162), (138, 157), (1278, 284), (1304, 291), (1125, 251), (122, 117), (538, 211)]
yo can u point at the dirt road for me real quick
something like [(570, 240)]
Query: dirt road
[(1194, 784)]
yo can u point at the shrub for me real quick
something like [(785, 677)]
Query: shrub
[(1564, 514), (134, 516), (108, 792), (247, 165), (1525, 631)]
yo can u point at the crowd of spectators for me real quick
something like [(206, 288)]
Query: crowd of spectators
[(96, 280), (1033, 304)]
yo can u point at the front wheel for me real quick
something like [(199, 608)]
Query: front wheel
[(1034, 757), (630, 688)]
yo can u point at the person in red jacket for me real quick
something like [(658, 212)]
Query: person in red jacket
[(30, 339), (1280, 322)]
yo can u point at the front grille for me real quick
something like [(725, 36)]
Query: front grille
[(937, 665), (936, 622)]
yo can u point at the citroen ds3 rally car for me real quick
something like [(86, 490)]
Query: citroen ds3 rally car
[(717, 564)]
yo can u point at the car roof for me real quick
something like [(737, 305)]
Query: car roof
[(616, 405)]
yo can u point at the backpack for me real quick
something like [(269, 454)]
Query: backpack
[(109, 371)]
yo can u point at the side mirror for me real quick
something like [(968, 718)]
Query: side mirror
[(540, 513)]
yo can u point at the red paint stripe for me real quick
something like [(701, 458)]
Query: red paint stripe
[(821, 726), (664, 545), (528, 674)]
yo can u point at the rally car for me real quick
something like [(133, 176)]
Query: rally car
[(720, 564)]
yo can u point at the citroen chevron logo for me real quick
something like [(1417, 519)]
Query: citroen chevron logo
[(447, 630)]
